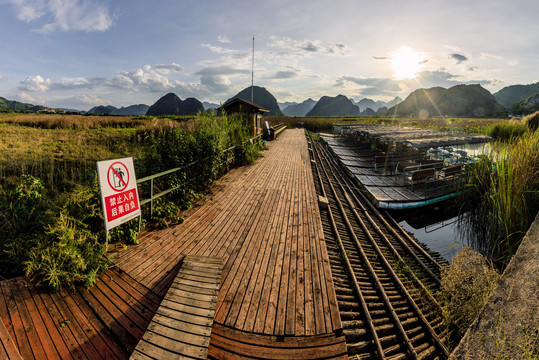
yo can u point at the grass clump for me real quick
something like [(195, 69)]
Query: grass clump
[(466, 286), (532, 121), (507, 130), (505, 189)]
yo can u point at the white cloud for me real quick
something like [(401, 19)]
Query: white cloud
[(25, 97), (82, 15), (29, 10), (35, 83), (223, 39), (309, 46)]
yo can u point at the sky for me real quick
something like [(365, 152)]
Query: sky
[(81, 53)]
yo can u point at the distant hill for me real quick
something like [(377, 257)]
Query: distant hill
[(510, 95), (261, 97), (367, 112), (459, 100), (339, 105), (300, 109), (132, 110), (284, 105), (171, 104), (365, 103), (19, 106), (528, 106), (395, 101), (208, 106)]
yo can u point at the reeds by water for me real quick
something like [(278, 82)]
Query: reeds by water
[(505, 186)]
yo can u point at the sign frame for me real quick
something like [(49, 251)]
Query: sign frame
[(119, 192)]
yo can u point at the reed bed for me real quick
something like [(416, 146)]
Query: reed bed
[(505, 184)]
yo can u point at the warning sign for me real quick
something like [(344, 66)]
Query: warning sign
[(119, 193)]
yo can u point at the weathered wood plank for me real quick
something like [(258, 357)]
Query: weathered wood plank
[(181, 327), (8, 348)]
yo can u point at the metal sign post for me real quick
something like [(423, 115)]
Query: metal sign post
[(119, 194)]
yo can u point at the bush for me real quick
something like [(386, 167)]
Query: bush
[(466, 286), (65, 256)]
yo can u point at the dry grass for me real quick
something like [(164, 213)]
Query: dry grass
[(62, 149), (466, 286)]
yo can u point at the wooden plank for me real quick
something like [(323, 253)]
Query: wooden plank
[(76, 324), (37, 327), (204, 329), (114, 347), (58, 323), (19, 333), (182, 324), (8, 348)]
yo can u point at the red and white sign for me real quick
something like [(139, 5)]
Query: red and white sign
[(119, 194)]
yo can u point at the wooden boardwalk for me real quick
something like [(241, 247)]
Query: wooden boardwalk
[(266, 228), (276, 296)]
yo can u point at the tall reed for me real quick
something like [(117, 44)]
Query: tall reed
[(505, 186)]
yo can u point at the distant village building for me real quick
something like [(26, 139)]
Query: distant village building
[(247, 109)]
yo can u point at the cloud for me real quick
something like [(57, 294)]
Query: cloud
[(81, 15), (235, 54), (166, 68), (146, 79), (383, 84), (29, 10), (309, 46), (35, 84), (287, 74), (223, 39), (459, 58)]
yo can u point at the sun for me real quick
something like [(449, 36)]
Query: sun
[(406, 63)]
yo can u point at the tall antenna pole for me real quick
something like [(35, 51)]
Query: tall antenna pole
[(253, 71)]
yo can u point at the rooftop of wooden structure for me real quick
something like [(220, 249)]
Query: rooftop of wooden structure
[(247, 106)]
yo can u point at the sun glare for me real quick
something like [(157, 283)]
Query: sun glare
[(406, 63)]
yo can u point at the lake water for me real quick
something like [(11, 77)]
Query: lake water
[(435, 226)]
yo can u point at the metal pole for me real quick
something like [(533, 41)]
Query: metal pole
[(151, 197), (253, 71)]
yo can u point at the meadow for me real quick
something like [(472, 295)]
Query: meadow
[(51, 226)]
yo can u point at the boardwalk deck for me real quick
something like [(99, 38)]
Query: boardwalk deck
[(276, 284), (266, 227)]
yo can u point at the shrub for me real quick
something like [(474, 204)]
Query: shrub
[(466, 286), (65, 256)]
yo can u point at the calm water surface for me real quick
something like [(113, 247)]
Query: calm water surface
[(435, 226)]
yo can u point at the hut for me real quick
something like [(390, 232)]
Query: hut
[(248, 109)]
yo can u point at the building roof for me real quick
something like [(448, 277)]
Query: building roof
[(248, 104)]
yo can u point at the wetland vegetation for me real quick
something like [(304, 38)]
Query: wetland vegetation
[(51, 218)]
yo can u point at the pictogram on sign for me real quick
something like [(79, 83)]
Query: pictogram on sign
[(118, 176)]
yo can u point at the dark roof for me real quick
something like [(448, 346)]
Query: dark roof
[(244, 102)]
